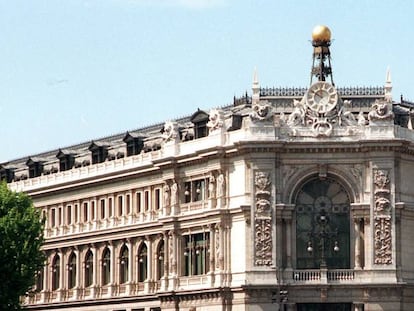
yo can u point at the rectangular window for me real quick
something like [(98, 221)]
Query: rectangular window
[(146, 203), (157, 198), (120, 205), (59, 221), (195, 190), (139, 202), (76, 213), (69, 214), (85, 212), (128, 204), (110, 207), (102, 208), (93, 210), (53, 218), (196, 253)]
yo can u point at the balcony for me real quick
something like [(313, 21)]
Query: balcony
[(339, 276)]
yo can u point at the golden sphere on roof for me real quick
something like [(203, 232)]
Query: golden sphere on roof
[(321, 33)]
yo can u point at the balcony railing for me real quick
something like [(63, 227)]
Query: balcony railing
[(323, 275)]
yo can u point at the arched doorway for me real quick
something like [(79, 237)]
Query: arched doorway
[(322, 225)]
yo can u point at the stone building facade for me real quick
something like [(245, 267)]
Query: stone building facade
[(291, 199)]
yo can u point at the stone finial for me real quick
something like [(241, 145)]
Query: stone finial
[(388, 87), (255, 88)]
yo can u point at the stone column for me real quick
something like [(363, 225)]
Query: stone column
[(173, 260), (112, 269), (279, 243), (288, 243), (149, 280), (73, 218), (357, 232), (61, 275), (219, 254), (96, 253), (134, 206), (129, 245), (77, 213), (174, 201), (94, 212), (368, 241), (76, 291), (111, 210), (45, 290), (128, 205)]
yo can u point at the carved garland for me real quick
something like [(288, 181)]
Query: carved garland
[(263, 221), (382, 218)]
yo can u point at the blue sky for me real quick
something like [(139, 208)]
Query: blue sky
[(76, 70)]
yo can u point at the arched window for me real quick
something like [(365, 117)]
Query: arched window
[(56, 272), (106, 266), (322, 225), (39, 280), (160, 260), (142, 263), (123, 265), (72, 271), (89, 268)]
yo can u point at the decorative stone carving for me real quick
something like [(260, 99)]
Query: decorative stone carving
[(262, 183), (263, 242), (381, 181), (173, 262), (382, 218), (166, 190), (381, 111), (382, 236), (297, 117), (174, 193), (216, 120), (212, 186), (262, 111), (221, 184), (219, 260), (361, 119), (346, 117), (263, 220), (306, 120), (170, 131)]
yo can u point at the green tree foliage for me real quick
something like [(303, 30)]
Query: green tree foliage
[(21, 236)]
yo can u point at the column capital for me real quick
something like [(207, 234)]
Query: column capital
[(284, 211)]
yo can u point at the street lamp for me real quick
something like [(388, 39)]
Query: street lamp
[(324, 236)]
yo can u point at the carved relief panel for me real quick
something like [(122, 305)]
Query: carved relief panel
[(262, 220), (382, 218)]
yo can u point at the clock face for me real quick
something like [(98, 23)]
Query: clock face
[(321, 97)]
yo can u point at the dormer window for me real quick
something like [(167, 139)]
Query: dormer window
[(66, 160), (99, 152), (134, 144), (35, 167), (200, 119), (6, 174)]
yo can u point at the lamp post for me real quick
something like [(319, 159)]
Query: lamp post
[(324, 236)]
